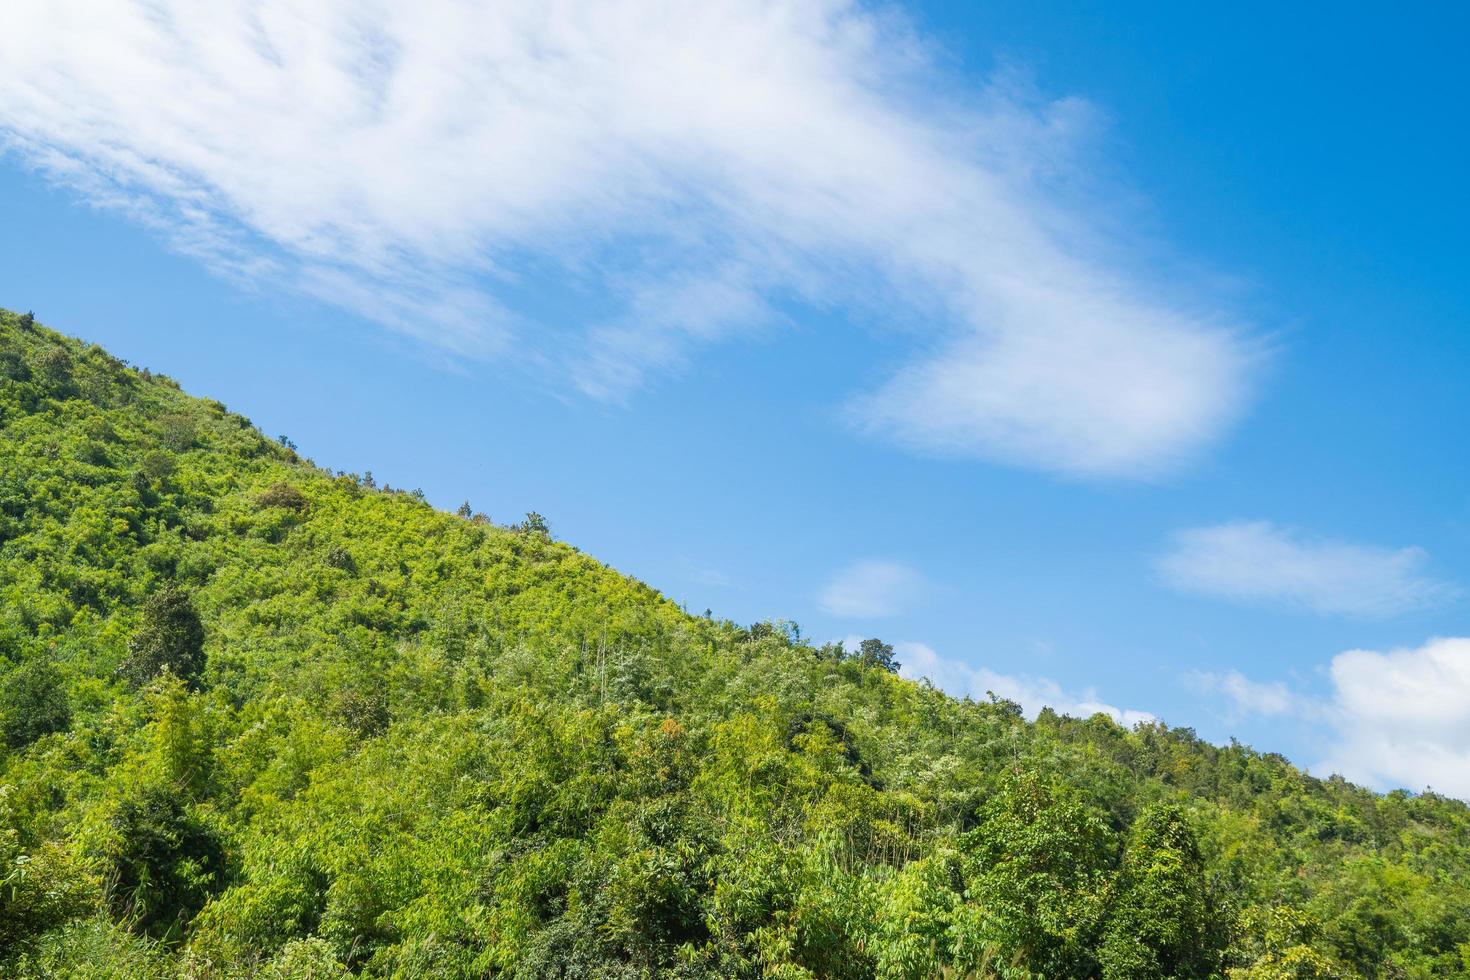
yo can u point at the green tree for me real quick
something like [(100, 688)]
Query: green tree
[(876, 653), (56, 367), (161, 862), (171, 638), (282, 495), (1280, 942), (1037, 870), (1160, 922), (33, 703)]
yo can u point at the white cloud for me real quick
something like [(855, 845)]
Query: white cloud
[(1403, 717), (1393, 720), (1257, 562), (689, 168), (871, 590), (1032, 693), (1249, 697)]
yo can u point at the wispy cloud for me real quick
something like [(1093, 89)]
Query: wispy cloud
[(871, 590), (1258, 562), (690, 169), (1248, 697), (1032, 693)]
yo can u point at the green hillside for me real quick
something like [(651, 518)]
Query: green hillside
[(260, 719)]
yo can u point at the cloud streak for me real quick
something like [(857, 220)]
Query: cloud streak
[(691, 170), (1032, 693), (1248, 697), (871, 590), (1256, 562)]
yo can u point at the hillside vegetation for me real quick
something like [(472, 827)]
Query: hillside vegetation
[(263, 720)]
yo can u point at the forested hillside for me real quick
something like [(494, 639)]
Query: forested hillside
[(260, 719)]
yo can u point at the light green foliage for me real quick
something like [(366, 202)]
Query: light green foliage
[(262, 720)]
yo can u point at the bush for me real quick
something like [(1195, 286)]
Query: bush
[(305, 959), (13, 367), (33, 703), (41, 886), (340, 558)]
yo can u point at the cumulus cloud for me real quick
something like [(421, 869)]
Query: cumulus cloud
[(871, 590), (1032, 693), (1258, 562), (1393, 720), (691, 170), (1403, 717)]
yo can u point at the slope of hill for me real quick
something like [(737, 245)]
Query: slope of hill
[(264, 720)]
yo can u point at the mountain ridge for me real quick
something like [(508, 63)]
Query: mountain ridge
[(263, 719)]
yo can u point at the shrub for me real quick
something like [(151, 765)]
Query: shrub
[(340, 558), (305, 959), (157, 466), (14, 367)]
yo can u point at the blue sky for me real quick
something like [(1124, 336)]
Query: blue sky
[(1105, 359)]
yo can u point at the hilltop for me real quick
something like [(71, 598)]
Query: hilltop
[(263, 719)]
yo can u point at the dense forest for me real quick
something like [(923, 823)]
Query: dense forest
[(260, 719)]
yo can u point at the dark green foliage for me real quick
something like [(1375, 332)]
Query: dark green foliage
[(341, 559), (161, 863), (177, 431), (33, 703), (1161, 923), (157, 466), (56, 367), (534, 524), (284, 496), (876, 653), (13, 367), (429, 746), (171, 638), (1038, 876)]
